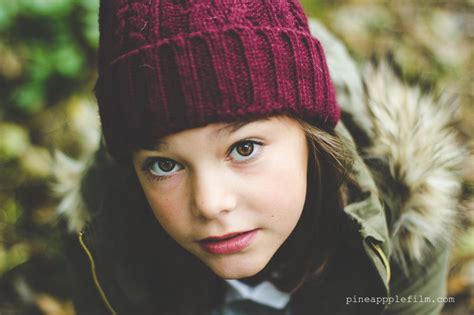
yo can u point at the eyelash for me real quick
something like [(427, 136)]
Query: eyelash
[(148, 163)]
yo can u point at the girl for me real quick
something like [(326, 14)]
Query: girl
[(235, 188)]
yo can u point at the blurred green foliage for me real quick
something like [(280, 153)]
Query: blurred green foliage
[(47, 55), (49, 46)]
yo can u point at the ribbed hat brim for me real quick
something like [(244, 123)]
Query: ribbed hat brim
[(221, 75)]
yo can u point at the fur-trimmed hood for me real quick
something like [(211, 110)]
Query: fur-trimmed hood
[(409, 142), (406, 139)]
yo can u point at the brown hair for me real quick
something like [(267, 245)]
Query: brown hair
[(320, 230)]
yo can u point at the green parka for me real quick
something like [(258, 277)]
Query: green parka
[(400, 220)]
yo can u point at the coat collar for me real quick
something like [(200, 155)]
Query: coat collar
[(368, 212)]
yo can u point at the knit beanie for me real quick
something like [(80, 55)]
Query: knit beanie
[(170, 65)]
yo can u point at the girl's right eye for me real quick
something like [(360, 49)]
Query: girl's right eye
[(161, 167)]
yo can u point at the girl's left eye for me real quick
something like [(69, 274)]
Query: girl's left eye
[(245, 150)]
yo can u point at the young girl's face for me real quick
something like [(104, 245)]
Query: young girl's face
[(230, 194)]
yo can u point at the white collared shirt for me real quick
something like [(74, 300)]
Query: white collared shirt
[(264, 293)]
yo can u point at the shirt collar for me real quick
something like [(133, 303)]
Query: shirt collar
[(265, 293)]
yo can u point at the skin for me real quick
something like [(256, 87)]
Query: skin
[(203, 182)]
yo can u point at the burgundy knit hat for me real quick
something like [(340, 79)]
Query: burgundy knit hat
[(169, 65)]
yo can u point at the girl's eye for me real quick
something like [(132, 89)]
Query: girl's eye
[(163, 167), (245, 150)]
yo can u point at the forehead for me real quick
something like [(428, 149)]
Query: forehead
[(221, 129), (216, 131)]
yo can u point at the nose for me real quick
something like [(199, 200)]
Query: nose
[(212, 194)]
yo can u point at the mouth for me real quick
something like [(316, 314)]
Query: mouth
[(228, 243)]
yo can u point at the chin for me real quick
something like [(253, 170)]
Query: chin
[(238, 273), (236, 268)]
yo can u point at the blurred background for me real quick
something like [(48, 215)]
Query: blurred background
[(47, 74)]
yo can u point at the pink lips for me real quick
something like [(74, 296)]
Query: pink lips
[(229, 243)]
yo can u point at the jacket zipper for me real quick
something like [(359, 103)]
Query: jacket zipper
[(384, 259), (94, 275)]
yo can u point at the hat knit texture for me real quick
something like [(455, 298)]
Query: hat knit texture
[(170, 65)]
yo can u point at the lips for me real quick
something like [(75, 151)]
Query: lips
[(228, 243)]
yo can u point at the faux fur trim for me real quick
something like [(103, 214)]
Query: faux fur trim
[(66, 186), (408, 141), (414, 138)]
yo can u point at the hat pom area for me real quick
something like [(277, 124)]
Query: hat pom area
[(166, 66)]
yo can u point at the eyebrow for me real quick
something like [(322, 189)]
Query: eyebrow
[(229, 128), (157, 145), (233, 127)]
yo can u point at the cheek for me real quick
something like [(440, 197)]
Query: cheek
[(167, 209), (280, 191)]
